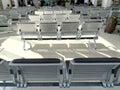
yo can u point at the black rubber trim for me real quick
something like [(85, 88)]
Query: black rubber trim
[(97, 60), (37, 61)]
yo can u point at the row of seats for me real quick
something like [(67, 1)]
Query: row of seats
[(23, 11), (73, 27), (17, 13), (115, 7), (92, 11), (40, 12), (54, 17), (56, 72), (53, 10), (90, 15), (5, 22), (51, 30)]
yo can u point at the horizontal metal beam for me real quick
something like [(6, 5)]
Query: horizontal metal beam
[(77, 84), (55, 84), (86, 84), (70, 38), (31, 84)]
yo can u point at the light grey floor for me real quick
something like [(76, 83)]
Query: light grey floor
[(111, 40)]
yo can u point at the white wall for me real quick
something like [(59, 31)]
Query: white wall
[(16, 3), (86, 1), (75, 1), (106, 3), (5, 2), (26, 2), (94, 2)]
